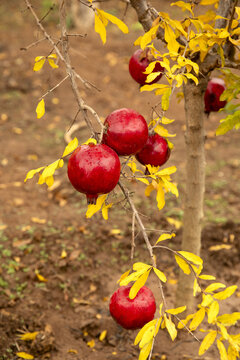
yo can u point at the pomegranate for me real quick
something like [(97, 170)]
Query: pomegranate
[(155, 152), (93, 170), (132, 313), (212, 95), (138, 63), (126, 131)]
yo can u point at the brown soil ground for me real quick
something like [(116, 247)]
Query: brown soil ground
[(46, 230)]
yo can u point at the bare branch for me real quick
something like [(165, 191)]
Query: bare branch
[(56, 86)]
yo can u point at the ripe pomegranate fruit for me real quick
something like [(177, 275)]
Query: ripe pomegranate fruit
[(212, 95), (155, 152), (93, 170), (126, 131), (132, 313), (138, 63)]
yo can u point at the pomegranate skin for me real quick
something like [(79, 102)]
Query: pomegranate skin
[(215, 88), (126, 131), (93, 170), (132, 313), (138, 64), (155, 152)]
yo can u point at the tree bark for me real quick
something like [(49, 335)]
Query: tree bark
[(195, 182)]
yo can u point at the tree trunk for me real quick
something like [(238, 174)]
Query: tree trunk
[(195, 183)]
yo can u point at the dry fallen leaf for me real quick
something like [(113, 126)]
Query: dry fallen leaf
[(219, 247), (3, 227), (38, 220)]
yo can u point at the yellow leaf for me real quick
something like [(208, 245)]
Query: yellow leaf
[(214, 287), (213, 312), (149, 36), (192, 77), (184, 6), (184, 322), (120, 24), (70, 147), (105, 210), (63, 254), (174, 222), (222, 295), (168, 171), (160, 197), (196, 287), (39, 62), (207, 300), (100, 28), (170, 187), (165, 237), (51, 61), (103, 335), (92, 209), (31, 173), (197, 319), (191, 257), (132, 277), (50, 170), (171, 328), (139, 283), (176, 310), (160, 130), (207, 342), (152, 76), (49, 180), (145, 181), (28, 336), (170, 38), (123, 276), (140, 266), (223, 330), (40, 110), (40, 277), (90, 141), (38, 220), (160, 275), (145, 351), (143, 330), (222, 350), (149, 189), (154, 87), (73, 351), (24, 355), (147, 336), (183, 265), (208, 2), (91, 343), (229, 319), (207, 277), (165, 99)]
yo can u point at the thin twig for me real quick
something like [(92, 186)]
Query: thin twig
[(55, 87), (32, 44), (133, 235), (145, 236)]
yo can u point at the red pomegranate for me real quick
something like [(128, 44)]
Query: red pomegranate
[(138, 63), (126, 131), (93, 170), (155, 152), (132, 313), (212, 95)]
